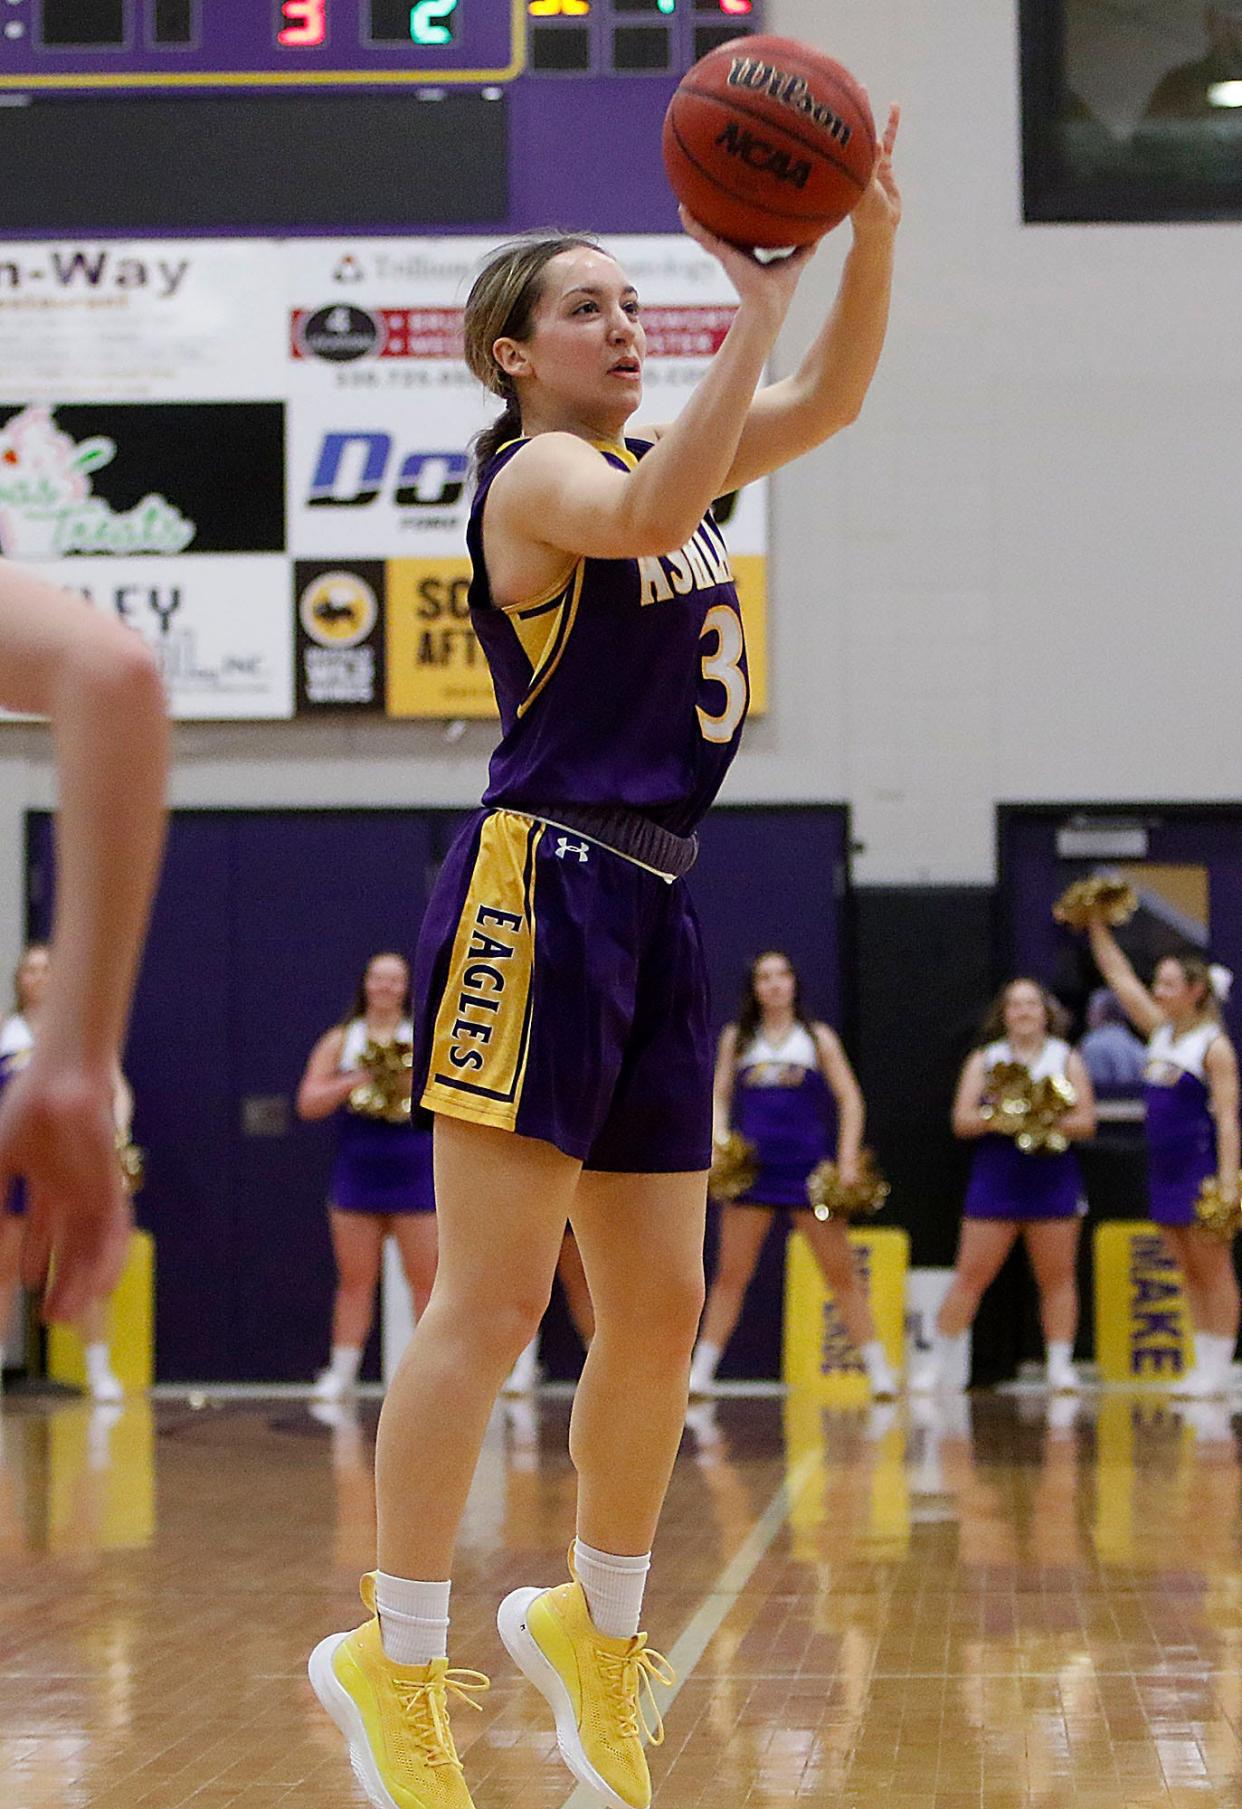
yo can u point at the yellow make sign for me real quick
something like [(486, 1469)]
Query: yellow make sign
[(436, 667)]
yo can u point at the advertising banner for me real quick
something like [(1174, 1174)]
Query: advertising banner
[(279, 433), (177, 320), (219, 627), (341, 630), (120, 478)]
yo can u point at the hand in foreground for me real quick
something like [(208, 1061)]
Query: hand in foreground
[(880, 205), (56, 1130)]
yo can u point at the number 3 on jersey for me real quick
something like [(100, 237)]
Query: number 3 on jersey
[(724, 665)]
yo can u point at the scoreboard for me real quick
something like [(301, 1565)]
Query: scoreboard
[(227, 44), (103, 45), (237, 117)]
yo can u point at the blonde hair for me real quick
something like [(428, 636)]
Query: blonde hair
[(501, 305)]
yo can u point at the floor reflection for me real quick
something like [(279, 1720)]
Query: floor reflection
[(1004, 1601)]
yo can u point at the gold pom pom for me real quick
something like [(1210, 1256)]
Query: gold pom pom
[(1029, 1111), (735, 1165), (831, 1198), (1220, 1217), (385, 1093), (1111, 899)]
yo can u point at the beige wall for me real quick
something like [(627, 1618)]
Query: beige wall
[(1019, 576)]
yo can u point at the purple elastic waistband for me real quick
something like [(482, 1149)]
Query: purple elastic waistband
[(626, 833)]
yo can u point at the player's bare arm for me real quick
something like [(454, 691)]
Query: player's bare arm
[(827, 391), (101, 690)]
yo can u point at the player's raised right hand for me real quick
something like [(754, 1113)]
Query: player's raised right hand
[(768, 284)]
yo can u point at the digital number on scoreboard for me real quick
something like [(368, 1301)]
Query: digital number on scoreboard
[(146, 44)]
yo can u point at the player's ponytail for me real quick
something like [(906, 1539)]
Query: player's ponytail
[(501, 305)]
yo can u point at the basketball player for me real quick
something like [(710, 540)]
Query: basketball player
[(381, 1181), (560, 995), (101, 690), (1191, 1089), (1011, 1192), (777, 1074)]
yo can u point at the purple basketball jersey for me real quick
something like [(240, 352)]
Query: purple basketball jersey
[(627, 685)]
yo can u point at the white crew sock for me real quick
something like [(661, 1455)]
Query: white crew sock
[(346, 1362), (1060, 1354), (413, 1617), (614, 1588), (946, 1357), (1214, 1354), (97, 1364), (703, 1365), (876, 1363)]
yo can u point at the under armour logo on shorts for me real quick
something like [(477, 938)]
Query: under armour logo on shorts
[(564, 848)]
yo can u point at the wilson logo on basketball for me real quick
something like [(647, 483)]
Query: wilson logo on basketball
[(760, 154), (789, 91)]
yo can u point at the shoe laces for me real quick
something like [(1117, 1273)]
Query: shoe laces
[(426, 1707), (629, 1676)]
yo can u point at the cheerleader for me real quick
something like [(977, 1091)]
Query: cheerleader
[(382, 1179), (1191, 1089), (1039, 1194), (778, 1075), (17, 1040)]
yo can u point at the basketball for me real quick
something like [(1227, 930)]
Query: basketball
[(768, 142)]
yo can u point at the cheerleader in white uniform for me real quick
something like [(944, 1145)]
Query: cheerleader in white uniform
[(17, 1039), (781, 1082), (1012, 1193), (1191, 1091), (382, 1180)]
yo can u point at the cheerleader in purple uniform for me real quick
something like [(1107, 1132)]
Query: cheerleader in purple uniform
[(1191, 1086), (382, 1179), (1011, 1192), (779, 1077)]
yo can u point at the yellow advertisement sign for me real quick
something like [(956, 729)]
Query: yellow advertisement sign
[(436, 667), (750, 573), (817, 1350), (1142, 1328), (131, 1350)]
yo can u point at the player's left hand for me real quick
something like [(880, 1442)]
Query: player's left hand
[(56, 1130), (880, 206), (849, 1171)]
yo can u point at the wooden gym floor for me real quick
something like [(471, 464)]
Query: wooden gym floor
[(924, 1607)]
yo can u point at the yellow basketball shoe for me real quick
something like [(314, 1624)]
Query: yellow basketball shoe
[(395, 1717), (594, 1686)]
